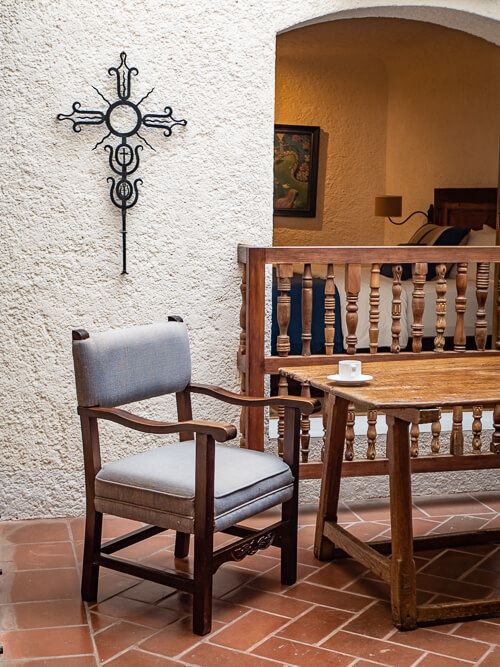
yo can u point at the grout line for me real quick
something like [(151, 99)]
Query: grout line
[(421, 659), (205, 640), (488, 653), (443, 655), (478, 564), (355, 615), (285, 625)]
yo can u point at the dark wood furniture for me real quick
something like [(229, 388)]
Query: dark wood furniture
[(408, 392), (282, 534), (470, 207)]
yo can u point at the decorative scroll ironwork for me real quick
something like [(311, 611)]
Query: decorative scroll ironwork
[(251, 548), (123, 119)]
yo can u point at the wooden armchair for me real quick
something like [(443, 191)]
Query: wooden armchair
[(193, 487)]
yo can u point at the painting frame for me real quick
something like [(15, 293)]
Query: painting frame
[(304, 194)]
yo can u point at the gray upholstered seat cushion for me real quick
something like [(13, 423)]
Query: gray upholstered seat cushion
[(158, 486)]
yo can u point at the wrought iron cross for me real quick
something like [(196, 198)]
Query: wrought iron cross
[(123, 119)]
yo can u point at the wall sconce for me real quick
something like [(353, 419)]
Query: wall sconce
[(389, 206)]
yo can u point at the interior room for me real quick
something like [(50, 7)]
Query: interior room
[(251, 334)]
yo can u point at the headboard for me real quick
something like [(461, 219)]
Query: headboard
[(465, 207)]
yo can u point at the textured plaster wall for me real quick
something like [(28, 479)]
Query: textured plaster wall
[(205, 189), (404, 107)]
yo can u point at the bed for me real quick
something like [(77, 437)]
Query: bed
[(461, 216)]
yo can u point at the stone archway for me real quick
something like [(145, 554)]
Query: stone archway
[(467, 20)]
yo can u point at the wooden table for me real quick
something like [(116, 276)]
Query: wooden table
[(407, 392)]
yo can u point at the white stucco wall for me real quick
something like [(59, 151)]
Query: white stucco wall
[(205, 189)]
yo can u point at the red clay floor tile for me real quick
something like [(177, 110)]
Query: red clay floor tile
[(336, 613)]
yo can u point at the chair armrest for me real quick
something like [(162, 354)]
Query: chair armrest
[(306, 405), (219, 431)]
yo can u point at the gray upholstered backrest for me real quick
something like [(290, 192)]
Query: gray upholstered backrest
[(126, 365)]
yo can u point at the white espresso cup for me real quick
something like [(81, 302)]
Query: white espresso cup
[(349, 370)]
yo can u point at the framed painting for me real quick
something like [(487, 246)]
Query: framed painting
[(296, 151)]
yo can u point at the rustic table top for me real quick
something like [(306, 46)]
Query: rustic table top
[(419, 383)]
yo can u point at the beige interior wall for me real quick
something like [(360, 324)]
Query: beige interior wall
[(404, 107), (345, 93), (443, 118)]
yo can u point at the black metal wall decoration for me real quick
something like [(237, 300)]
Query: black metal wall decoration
[(123, 120)]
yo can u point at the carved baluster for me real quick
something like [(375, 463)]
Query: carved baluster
[(329, 309), (352, 287), (371, 434), (441, 287), (477, 427), (396, 307), (285, 273), (436, 434), (460, 307), (243, 349), (305, 425), (307, 304), (282, 391), (482, 284), (495, 440), (374, 306), (349, 433), (414, 436), (457, 433), (417, 306)]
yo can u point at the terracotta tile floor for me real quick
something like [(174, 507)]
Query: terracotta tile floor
[(336, 614)]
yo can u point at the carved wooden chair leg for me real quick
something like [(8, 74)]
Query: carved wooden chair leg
[(290, 509), (92, 547), (202, 596), (289, 513), (203, 534), (181, 549)]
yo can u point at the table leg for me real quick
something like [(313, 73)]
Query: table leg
[(403, 574), (332, 468)]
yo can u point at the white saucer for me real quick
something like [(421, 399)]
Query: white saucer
[(362, 379)]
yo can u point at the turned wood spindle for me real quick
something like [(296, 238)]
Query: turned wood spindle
[(243, 349), (307, 304), (457, 432), (349, 433), (352, 287), (417, 305), (397, 270), (329, 310), (282, 391), (414, 437), (436, 434), (460, 307), (482, 284), (305, 425), (371, 435), (477, 427), (285, 273), (441, 287), (495, 440), (374, 307)]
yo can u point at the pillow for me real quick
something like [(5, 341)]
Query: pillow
[(484, 236), (430, 235)]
